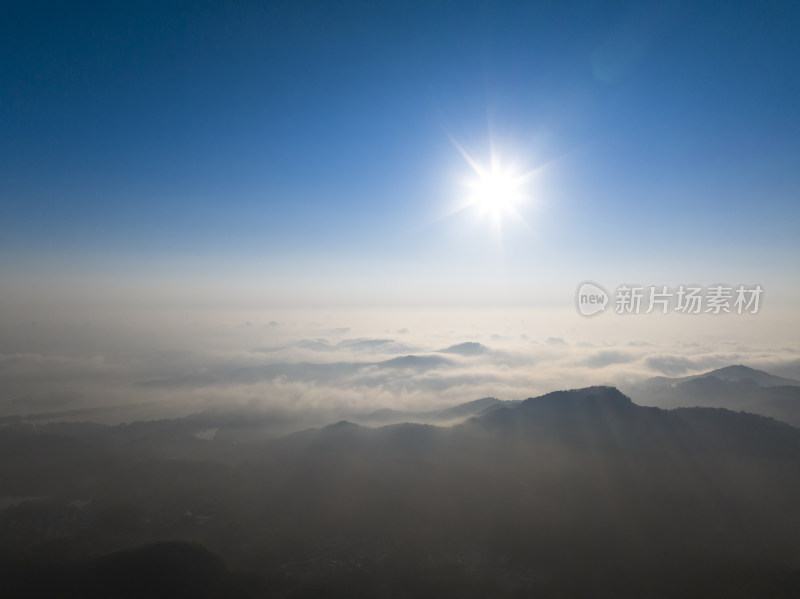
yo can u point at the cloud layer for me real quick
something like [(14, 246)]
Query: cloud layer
[(331, 366)]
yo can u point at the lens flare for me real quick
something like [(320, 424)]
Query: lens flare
[(494, 191)]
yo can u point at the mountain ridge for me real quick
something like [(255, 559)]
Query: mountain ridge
[(737, 387)]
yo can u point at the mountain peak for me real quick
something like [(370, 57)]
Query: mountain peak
[(739, 373), (468, 348), (587, 397), (599, 404)]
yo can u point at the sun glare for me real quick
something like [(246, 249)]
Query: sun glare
[(494, 191), (497, 192)]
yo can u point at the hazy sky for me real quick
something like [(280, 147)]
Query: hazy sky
[(170, 157)]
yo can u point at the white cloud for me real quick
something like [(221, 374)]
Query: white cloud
[(334, 364)]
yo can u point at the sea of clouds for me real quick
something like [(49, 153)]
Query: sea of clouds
[(112, 368)]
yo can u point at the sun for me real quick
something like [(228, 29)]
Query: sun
[(497, 191), (494, 191)]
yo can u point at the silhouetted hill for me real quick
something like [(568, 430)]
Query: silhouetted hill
[(160, 570), (571, 494), (468, 348), (577, 477), (740, 373), (733, 387)]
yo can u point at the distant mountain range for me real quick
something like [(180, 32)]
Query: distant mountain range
[(736, 374), (737, 388)]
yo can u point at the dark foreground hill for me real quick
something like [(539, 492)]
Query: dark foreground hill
[(572, 494), (157, 571)]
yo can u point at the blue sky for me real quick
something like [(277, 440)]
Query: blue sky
[(192, 188), (312, 143)]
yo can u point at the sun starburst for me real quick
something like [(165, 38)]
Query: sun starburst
[(494, 191)]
